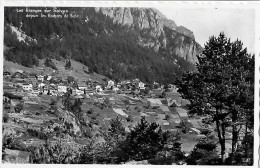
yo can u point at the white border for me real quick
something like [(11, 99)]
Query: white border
[(176, 4)]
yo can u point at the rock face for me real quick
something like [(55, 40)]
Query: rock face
[(157, 32)]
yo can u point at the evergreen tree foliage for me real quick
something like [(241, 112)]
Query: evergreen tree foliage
[(144, 141), (204, 153), (68, 65), (222, 88), (48, 63), (54, 153)]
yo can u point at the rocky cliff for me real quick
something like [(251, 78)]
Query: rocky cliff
[(157, 32)]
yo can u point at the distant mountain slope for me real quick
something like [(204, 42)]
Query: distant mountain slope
[(120, 43)]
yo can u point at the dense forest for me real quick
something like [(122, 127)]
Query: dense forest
[(105, 47)]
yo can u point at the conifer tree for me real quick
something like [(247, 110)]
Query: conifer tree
[(222, 88)]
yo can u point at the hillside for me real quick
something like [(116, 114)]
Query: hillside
[(78, 70), (120, 43), (30, 117)]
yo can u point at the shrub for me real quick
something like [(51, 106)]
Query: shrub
[(126, 101), (5, 118), (12, 96), (90, 111), (54, 153), (48, 63), (136, 108), (68, 65), (107, 102), (167, 117), (7, 140), (53, 102), (87, 133), (147, 105), (37, 133), (129, 118), (18, 108), (96, 122), (93, 117), (204, 154), (7, 107)]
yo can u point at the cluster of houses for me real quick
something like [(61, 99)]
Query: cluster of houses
[(53, 85)]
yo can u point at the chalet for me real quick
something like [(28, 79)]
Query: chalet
[(27, 86), (82, 87), (118, 85), (141, 85), (115, 89), (41, 86), (99, 88), (156, 93), (62, 88), (136, 81), (7, 73), (156, 85), (110, 84), (40, 78), (49, 77), (79, 92)]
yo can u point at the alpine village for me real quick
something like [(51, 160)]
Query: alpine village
[(123, 86)]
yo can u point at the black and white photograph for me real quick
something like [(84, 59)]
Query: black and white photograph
[(129, 85)]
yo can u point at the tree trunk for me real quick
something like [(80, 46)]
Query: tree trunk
[(234, 135), (221, 141), (246, 151)]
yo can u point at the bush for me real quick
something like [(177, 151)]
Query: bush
[(7, 107), (87, 133), (129, 118), (37, 133), (137, 108), (204, 153), (7, 140), (90, 111), (53, 102), (93, 117), (147, 105), (107, 102), (54, 153), (12, 96), (18, 108), (68, 65), (96, 122), (126, 101), (167, 117), (5, 118), (48, 63)]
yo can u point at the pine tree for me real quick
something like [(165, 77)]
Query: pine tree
[(144, 141), (221, 87), (68, 65)]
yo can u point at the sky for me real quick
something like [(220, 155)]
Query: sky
[(205, 22)]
